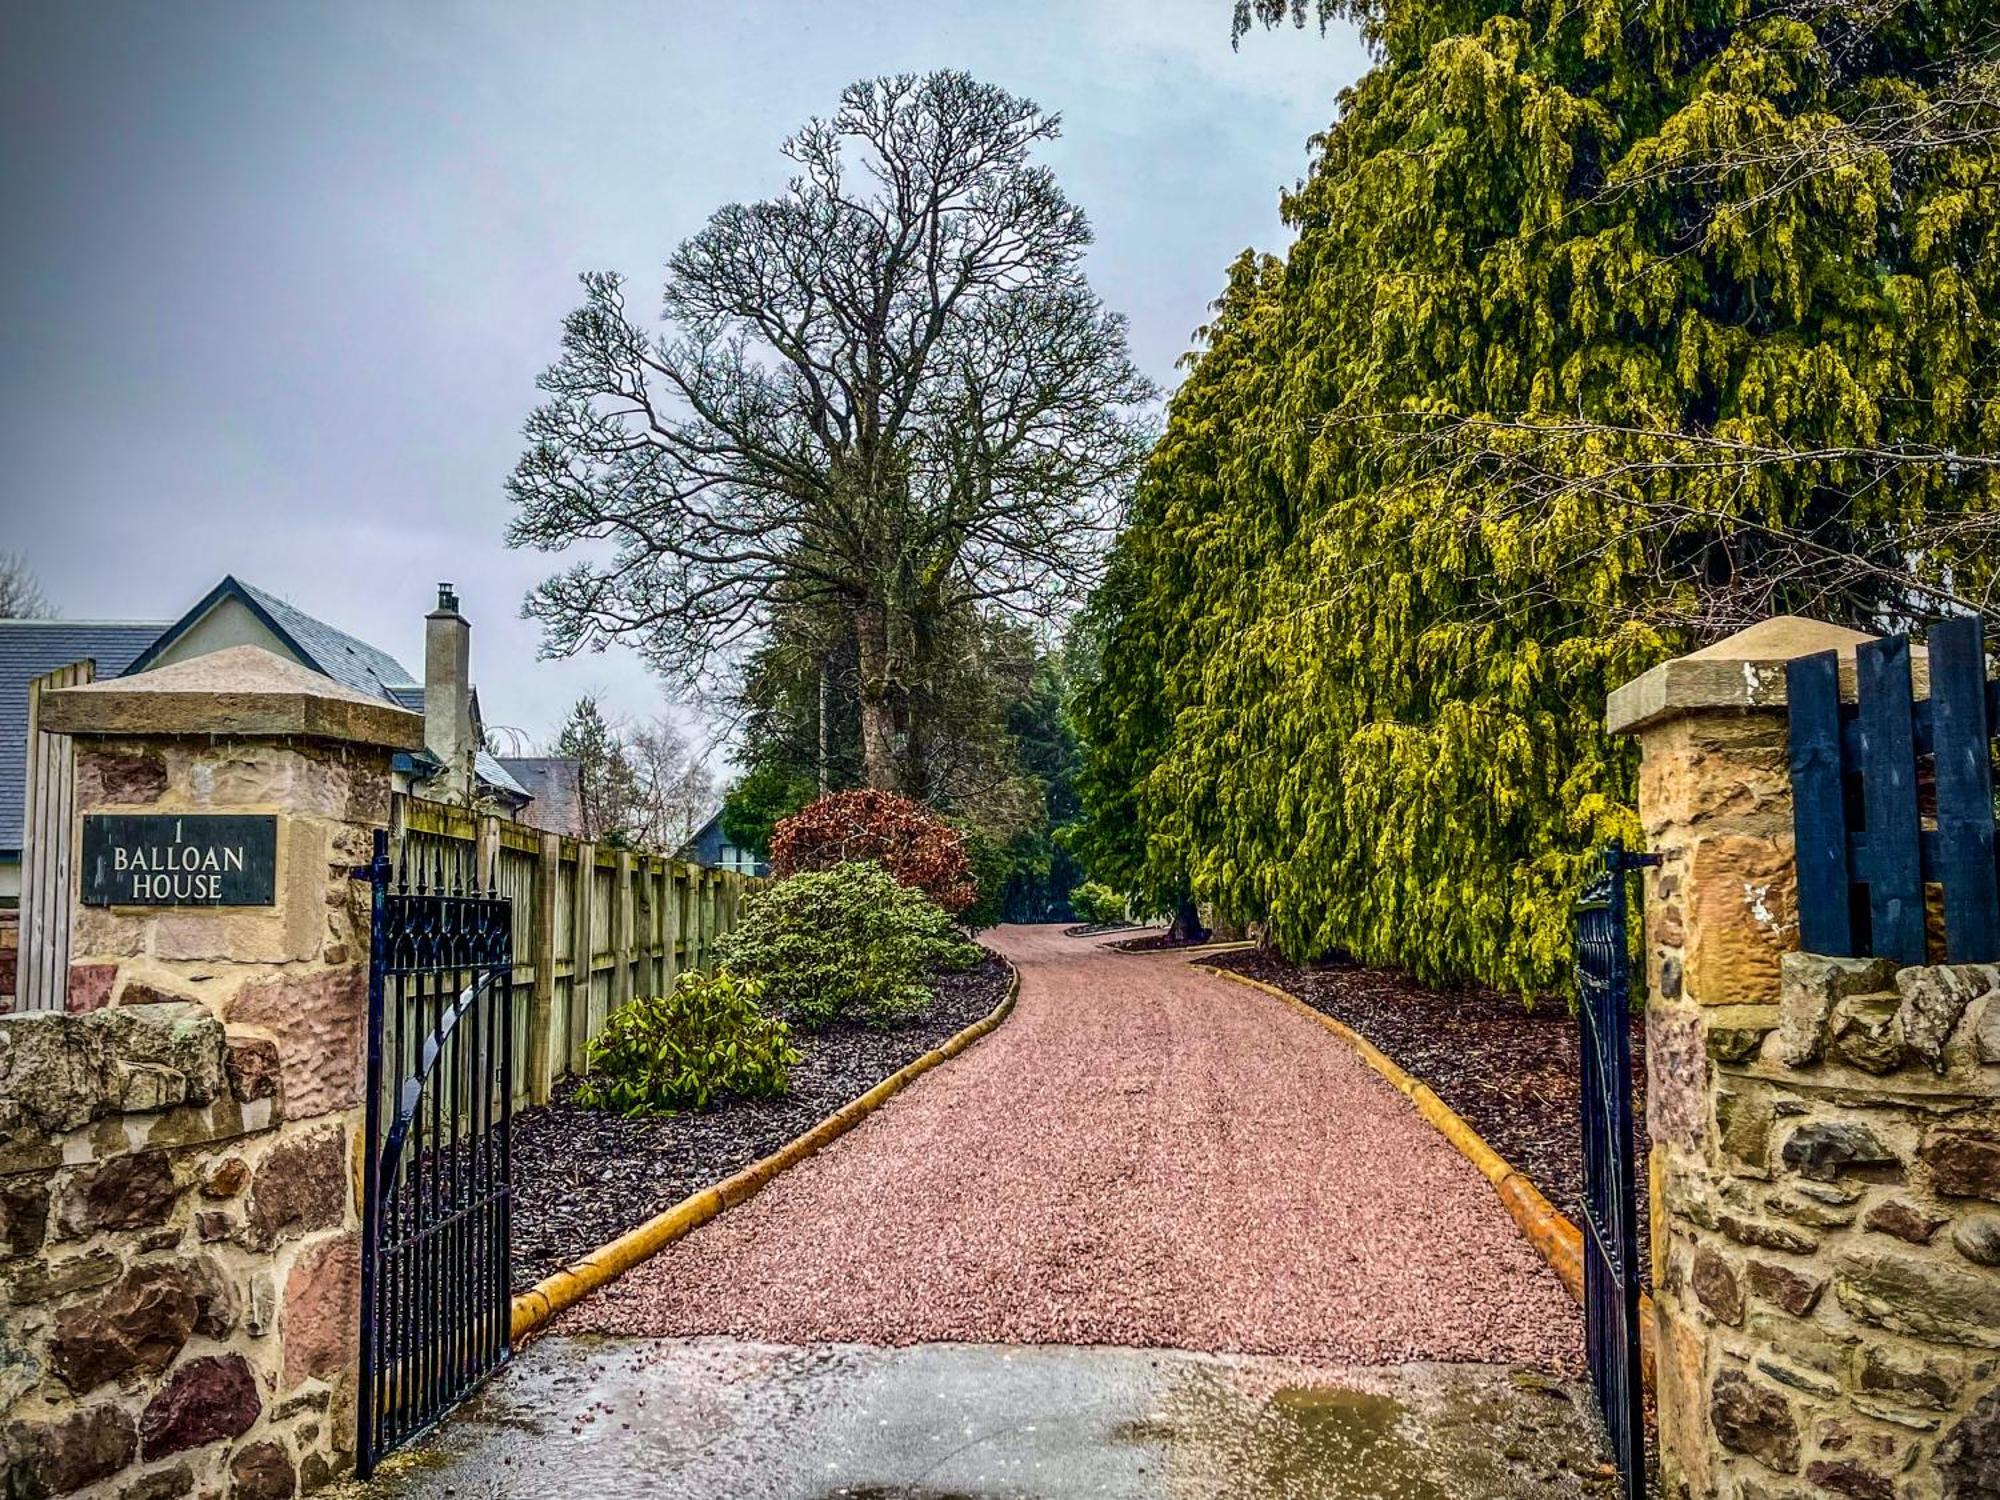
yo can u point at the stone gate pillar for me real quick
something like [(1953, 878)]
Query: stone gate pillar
[(1826, 1134), (179, 1152)]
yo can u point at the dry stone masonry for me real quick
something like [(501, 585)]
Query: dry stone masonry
[(1826, 1160), (179, 1229), (1830, 1297)]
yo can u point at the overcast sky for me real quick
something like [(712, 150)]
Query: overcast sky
[(276, 280)]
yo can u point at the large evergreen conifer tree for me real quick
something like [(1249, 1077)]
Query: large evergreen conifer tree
[(1607, 327)]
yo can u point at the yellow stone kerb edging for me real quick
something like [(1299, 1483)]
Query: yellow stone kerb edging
[(574, 1282), (1555, 1238)]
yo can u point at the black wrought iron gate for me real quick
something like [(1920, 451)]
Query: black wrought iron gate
[(435, 1263), (1610, 1203)]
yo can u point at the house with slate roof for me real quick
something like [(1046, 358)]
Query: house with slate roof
[(454, 765)]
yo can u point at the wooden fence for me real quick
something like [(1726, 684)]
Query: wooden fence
[(42, 982), (1892, 800), (592, 927)]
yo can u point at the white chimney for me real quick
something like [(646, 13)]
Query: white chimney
[(448, 692)]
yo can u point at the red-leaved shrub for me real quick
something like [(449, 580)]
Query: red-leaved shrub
[(906, 838)]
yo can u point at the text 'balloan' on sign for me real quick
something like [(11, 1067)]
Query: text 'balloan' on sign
[(179, 859)]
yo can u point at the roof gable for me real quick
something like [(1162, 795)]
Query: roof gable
[(349, 661)]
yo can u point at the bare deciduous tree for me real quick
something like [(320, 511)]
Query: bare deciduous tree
[(888, 392), (21, 596), (675, 789)]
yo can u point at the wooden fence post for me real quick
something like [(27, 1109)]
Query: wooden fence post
[(670, 923), (624, 947), (581, 984), (541, 1015)]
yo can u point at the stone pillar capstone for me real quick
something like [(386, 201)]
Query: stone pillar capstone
[(182, 1232)]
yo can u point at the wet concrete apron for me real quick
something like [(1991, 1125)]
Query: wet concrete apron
[(704, 1419), (1145, 1160)]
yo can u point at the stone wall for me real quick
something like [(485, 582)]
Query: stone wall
[(164, 1239), (1826, 1135), (10, 954), (1830, 1303), (179, 1151)]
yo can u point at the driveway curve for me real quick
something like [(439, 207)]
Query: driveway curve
[(1142, 1155)]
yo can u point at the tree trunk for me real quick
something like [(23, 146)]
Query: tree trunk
[(878, 713), (825, 739), (1187, 926)]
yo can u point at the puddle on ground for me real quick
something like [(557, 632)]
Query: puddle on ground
[(1421, 1433), (700, 1418)]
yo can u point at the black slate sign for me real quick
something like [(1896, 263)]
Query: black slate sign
[(179, 859)]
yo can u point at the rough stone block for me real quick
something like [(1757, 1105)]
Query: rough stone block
[(41, 1280), (1977, 1238), (1850, 1477), (179, 1037), (1919, 1298), (1743, 1123), (1805, 1381), (322, 1309), (89, 987), (300, 1186), (55, 1074), (1817, 1205), (170, 1483), (320, 1024), (263, 1311), (1933, 1000), (225, 1178), (1810, 985), (1864, 1034), (1677, 1076), (108, 776), (67, 1454), (140, 1325), (1968, 1456), (204, 1401), (262, 1471), (1785, 1288), (1716, 1286), (1911, 1375), (24, 1215), (127, 1192), (254, 1068), (1905, 1221), (1986, 1032), (1766, 1236), (1963, 1163), (1742, 917), (1823, 1150), (1737, 1032), (1754, 1419)]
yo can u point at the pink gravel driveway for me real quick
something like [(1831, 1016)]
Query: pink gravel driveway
[(1143, 1154)]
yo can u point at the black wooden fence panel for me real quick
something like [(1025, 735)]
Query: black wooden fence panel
[(1892, 795), (1961, 740)]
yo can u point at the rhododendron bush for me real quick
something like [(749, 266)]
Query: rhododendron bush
[(904, 837)]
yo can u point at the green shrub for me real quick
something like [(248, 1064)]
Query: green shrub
[(1096, 903), (705, 1042), (847, 943)]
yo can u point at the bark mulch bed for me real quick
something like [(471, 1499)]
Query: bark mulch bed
[(1509, 1071), (585, 1176), (1159, 942), (1097, 929)]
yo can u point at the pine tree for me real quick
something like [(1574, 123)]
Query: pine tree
[(1605, 325)]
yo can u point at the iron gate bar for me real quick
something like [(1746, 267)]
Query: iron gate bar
[(436, 1194), (1610, 1177)]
